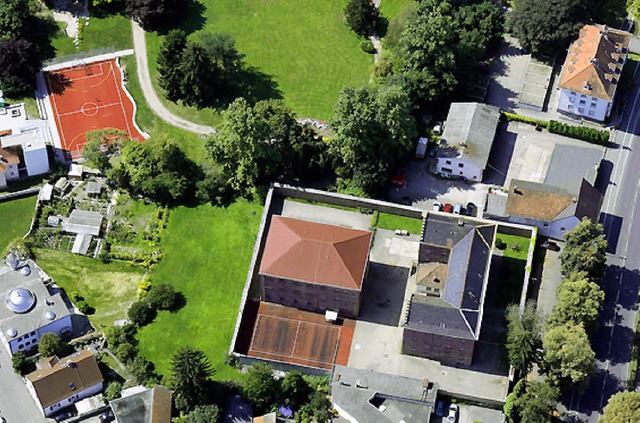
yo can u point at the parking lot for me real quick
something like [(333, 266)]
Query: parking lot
[(424, 188)]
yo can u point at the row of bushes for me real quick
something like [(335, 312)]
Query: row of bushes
[(591, 135), (136, 256), (595, 136), (157, 225)]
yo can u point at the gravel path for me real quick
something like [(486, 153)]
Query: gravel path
[(150, 95)]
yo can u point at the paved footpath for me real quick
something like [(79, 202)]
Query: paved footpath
[(150, 95)]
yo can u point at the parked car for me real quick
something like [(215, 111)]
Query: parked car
[(440, 408), (448, 208), (550, 245), (471, 209), (399, 181), (438, 128), (107, 417), (457, 209), (437, 206), (453, 413), (421, 148)]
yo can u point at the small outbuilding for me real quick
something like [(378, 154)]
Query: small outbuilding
[(83, 222)]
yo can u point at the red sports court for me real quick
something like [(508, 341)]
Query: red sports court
[(89, 97), (288, 335)]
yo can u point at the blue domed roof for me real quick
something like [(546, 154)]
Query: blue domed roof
[(20, 300)]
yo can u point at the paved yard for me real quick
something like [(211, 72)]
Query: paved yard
[(326, 215), (551, 278), (472, 414), (423, 188)]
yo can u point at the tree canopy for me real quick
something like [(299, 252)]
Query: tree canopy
[(568, 357), (622, 407), (51, 344), (546, 27), (536, 404), (585, 250), (295, 390), (203, 414), (374, 129), (161, 296), (14, 15), (19, 63), (524, 336), (155, 14), (260, 388), (140, 313), (168, 61), (362, 16), (578, 301), (101, 145), (191, 374)]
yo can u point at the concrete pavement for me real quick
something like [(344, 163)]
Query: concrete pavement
[(150, 95)]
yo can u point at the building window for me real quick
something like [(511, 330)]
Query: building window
[(448, 162), (581, 110), (461, 172), (592, 113), (582, 102), (562, 229), (572, 99), (593, 105), (447, 170), (583, 96), (572, 93), (460, 164)]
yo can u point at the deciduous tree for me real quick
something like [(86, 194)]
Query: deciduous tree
[(13, 16), (203, 414), (578, 301), (568, 357), (161, 296), (141, 314), (622, 407), (154, 14), (51, 344), (585, 250), (546, 27), (260, 388), (191, 373), (19, 62), (295, 390), (362, 16), (537, 403)]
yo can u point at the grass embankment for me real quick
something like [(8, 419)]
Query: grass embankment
[(109, 288), (15, 218), (304, 46), (207, 251)]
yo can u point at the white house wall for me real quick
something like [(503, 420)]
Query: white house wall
[(37, 161), (583, 105), (55, 408), (12, 173), (556, 229), (459, 167)]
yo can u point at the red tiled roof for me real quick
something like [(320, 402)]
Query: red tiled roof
[(594, 62), (316, 253)]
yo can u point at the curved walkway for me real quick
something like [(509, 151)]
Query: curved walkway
[(150, 95)]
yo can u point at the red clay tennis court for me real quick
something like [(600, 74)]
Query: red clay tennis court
[(89, 97), (293, 336)]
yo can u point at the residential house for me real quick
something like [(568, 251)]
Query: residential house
[(444, 317), (58, 383), (313, 266), (466, 141), (8, 167), (151, 405), (365, 396), (31, 308), (592, 71)]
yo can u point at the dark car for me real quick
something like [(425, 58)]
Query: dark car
[(471, 210), (550, 245), (106, 417), (399, 180), (448, 208)]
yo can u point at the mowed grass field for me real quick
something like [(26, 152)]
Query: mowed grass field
[(15, 218), (109, 288), (102, 32), (207, 251), (304, 45)]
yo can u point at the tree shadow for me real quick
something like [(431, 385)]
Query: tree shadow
[(193, 18), (42, 31), (58, 83), (255, 85), (179, 303)]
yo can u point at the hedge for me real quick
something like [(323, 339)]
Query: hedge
[(591, 135), (519, 118)]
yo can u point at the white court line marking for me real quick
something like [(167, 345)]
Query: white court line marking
[(93, 75), (80, 110), (56, 115), (124, 113)]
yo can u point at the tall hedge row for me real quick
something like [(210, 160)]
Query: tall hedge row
[(591, 135)]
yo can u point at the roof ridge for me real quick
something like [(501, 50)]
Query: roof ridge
[(466, 322), (335, 245)]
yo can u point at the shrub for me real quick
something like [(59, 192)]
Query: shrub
[(591, 135), (141, 314), (126, 352), (19, 362), (84, 307), (161, 296), (368, 47), (117, 335), (113, 390), (500, 244), (513, 117)]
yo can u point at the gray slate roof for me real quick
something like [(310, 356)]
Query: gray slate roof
[(470, 128), (404, 399)]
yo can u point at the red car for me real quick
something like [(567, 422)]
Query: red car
[(448, 208), (399, 180)]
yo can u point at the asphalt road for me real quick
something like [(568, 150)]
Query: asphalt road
[(612, 341), (16, 404)]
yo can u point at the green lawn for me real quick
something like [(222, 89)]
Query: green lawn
[(304, 45), (207, 255), (15, 218), (521, 243), (151, 123), (392, 8), (29, 103), (393, 222), (109, 288), (102, 32)]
